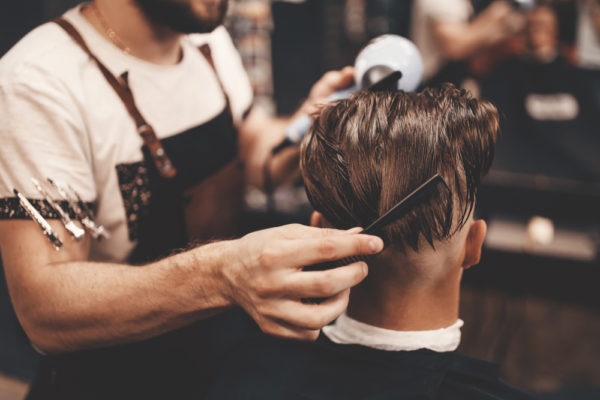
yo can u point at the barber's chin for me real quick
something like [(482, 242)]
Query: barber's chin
[(190, 29), (210, 14), (202, 26)]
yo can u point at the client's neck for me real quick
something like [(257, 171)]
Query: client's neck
[(392, 303)]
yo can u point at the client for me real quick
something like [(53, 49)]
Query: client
[(397, 339)]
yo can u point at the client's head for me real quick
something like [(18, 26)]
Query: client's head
[(365, 154)]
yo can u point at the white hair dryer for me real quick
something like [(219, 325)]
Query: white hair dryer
[(388, 62)]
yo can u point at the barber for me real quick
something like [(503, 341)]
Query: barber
[(152, 127)]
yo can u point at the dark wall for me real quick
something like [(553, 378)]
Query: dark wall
[(296, 46), (312, 37), (16, 19), (19, 17)]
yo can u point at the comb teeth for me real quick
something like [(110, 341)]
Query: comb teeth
[(335, 264), (348, 261)]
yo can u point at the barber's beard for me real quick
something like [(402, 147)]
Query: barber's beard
[(180, 16)]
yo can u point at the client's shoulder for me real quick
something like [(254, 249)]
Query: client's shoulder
[(263, 367), (470, 378)]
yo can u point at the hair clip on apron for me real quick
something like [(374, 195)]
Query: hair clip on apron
[(37, 217), (70, 226), (97, 231)]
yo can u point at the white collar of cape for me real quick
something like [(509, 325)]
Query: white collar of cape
[(346, 330)]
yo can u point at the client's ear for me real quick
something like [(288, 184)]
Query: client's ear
[(474, 243), (317, 220)]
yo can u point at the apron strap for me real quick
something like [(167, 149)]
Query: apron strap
[(161, 160), (207, 53)]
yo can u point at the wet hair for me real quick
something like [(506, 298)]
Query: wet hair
[(364, 154)]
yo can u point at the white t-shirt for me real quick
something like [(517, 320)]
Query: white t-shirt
[(61, 119), (588, 41), (424, 12)]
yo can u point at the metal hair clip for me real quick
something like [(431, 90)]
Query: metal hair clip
[(73, 229), (403, 207), (37, 217), (97, 231)]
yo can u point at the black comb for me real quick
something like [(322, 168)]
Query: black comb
[(403, 207)]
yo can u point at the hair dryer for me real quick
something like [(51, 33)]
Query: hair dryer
[(388, 62)]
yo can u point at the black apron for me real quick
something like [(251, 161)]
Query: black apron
[(189, 187)]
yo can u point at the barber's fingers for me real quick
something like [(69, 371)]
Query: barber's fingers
[(346, 77), (299, 231), (335, 80), (302, 252), (325, 232), (319, 284), (329, 83), (308, 316), (276, 327)]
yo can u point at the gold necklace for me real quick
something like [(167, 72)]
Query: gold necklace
[(112, 35)]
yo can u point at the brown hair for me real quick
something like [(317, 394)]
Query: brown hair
[(364, 154)]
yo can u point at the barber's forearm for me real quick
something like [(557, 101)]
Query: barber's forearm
[(458, 41), (284, 166), (67, 305), (259, 135), (80, 305)]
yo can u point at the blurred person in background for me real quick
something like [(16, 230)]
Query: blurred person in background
[(542, 34), (588, 33), (547, 104), (588, 45), (447, 33)]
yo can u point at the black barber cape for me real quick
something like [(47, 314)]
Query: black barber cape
[(177, 365), (267, 368)]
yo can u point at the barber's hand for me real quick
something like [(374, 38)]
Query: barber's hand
[(267, 280), (329, 83)]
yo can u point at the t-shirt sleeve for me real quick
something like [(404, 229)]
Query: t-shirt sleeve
[(43, 135), (446, 10)]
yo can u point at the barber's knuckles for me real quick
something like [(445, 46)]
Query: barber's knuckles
[(269, 286), (328, 249), (279, 329), (281, 253), (290, 314), (316, 321), (293, 313), (342, 246), (325, 284), (296, 231), (320, 318)]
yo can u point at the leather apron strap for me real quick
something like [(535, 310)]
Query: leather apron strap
[(207, 53), (163, 164), (211, 208)]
